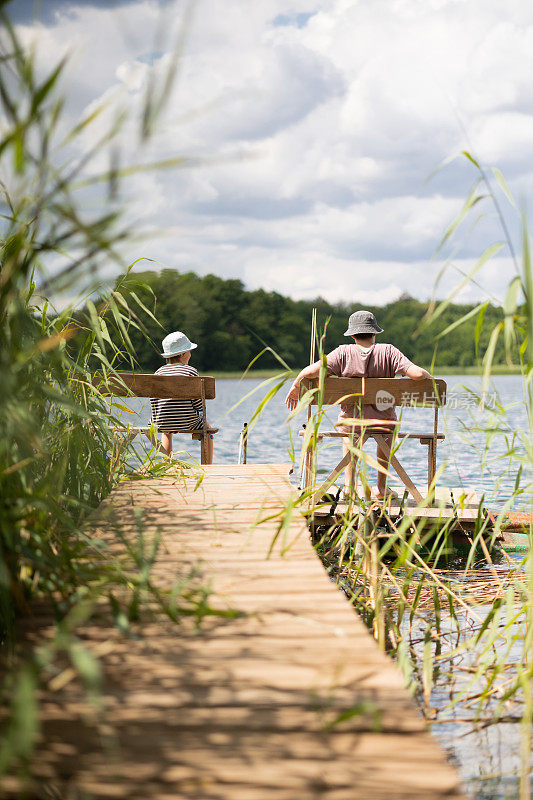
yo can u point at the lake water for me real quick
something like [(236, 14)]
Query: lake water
[(475, 452)]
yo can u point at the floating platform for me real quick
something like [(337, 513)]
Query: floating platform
[(289, 698), (457, 507), (460, 504)]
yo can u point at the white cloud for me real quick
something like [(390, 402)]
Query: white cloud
[(328, 116), (507, 136)]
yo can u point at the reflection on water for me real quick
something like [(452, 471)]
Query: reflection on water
[(466, 460)]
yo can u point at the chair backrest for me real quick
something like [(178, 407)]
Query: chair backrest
[(178, 387), (382, 392)]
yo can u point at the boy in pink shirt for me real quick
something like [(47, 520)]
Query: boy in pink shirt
[(366, 359)]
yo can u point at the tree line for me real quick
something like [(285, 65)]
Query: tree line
[(232, 325)]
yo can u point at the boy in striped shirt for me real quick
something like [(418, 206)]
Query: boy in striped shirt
[(171, 415)]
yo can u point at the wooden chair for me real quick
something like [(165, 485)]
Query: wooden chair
[(382, 392), (175, 387)]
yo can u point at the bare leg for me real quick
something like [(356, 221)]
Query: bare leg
[(349, 472), (383, 461), (166, 443)]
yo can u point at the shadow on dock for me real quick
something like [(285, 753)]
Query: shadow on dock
[(289, 697)]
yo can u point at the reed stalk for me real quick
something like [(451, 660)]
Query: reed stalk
[(56, 426), (428, 616)]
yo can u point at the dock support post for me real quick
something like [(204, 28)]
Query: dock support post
[(203, 444), (243, 444)]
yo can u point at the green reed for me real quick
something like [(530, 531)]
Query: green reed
[(393, 569), (429, 617), (59, 456), (398, 583)]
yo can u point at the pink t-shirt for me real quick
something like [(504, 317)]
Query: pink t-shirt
[(377, 361)]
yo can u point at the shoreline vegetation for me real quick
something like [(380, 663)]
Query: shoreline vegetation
[(497, 369), (236, 328)]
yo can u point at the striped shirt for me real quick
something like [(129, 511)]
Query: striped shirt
[(173, 415)]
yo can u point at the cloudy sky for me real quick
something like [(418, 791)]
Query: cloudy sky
[(317, 126)]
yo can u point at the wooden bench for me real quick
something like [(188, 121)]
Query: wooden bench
[(174, 387), (382, 392)]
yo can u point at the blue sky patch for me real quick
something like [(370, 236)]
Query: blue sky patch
[(298, 20)]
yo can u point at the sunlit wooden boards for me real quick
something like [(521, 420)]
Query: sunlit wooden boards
[(289, 700)]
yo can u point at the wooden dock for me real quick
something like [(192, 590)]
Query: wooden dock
[(289, 700), (459, 505)]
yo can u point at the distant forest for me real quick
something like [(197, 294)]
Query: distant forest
[(232, 325)]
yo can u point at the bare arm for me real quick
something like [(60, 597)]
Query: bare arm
[(311, 371), (417, 373)]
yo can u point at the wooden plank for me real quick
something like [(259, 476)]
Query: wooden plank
[(164, 386), (401, 434), (243, 708), (401, 391)]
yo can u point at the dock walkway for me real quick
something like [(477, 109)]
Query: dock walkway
[(289, 700)]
